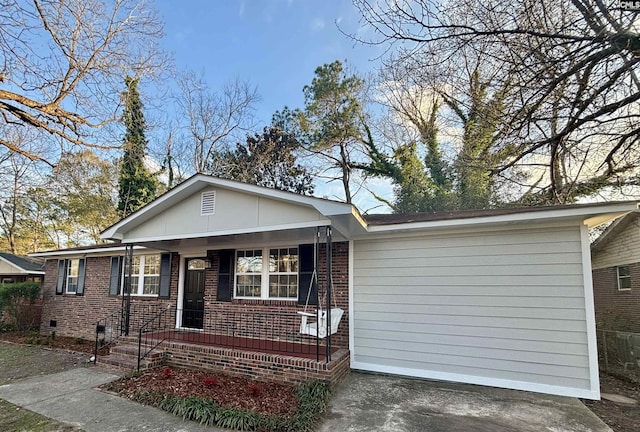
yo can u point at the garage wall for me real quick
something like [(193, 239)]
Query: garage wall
[(501, 308)]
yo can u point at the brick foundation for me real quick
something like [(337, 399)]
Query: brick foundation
[(260, 366)]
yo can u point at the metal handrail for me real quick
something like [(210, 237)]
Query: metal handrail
[(160, 319)]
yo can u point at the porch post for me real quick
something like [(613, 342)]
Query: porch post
[(126, 295), (329, 283)]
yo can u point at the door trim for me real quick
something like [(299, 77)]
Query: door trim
[(182, 272), (204, 282)]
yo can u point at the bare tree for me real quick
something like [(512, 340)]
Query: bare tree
[(216, 120), (62, 64), (569, 122)]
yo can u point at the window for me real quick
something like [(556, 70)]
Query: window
[(283, 273), (72, 275), (249, 273), (145, 275), (624, 278), (267, 273)]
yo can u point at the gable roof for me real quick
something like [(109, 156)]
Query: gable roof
[(24, 263), (338, 212), (613, 230)]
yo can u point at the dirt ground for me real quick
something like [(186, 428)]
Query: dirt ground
[(619, 417), (59, 342), (271, 399), (19, 361)]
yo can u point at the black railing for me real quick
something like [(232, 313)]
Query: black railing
[(153, 331), (114, 325), (276, 332)]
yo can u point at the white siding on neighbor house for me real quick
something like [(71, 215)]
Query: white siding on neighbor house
[(623, 249), (504, 308), (233, 211), (6, 268)]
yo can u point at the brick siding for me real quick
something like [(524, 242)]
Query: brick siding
[(76, 316), (616, 310)]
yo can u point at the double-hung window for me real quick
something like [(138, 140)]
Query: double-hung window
[(267, 273), (624, 278), (145, 275), (72, 276)]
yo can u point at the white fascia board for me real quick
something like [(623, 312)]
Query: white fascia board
[(325, 207), (87, 251), (479, 380), (583, 213), (251, 230)]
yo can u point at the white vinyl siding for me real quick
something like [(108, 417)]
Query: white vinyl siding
[(496, 308)]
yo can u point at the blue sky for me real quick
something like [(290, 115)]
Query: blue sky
[(275, 44)]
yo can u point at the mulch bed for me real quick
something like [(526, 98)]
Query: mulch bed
[(58, 342), (619, 417), (266, 398)]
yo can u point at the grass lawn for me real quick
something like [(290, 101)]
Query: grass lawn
[(19, 361), (16, 419)]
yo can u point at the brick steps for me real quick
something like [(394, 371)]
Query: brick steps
[(124, 355)]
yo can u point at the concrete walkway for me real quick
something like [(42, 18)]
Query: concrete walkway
[(70, 397), (368, 402), (365, 402)]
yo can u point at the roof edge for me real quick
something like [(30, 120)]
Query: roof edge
[(537, 213)]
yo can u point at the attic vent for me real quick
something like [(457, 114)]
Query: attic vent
[(208, 204)]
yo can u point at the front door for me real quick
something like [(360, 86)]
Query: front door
[(193, 303)]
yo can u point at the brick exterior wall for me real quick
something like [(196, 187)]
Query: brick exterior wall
[(616, 310), (76, 316), (280, 319)]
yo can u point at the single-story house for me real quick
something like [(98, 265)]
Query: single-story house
[(19, 268), (225, 275), (615, 259)]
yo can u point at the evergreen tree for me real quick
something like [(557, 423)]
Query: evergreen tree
[(267, 159), (137, 186)]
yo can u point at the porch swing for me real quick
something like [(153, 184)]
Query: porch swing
[(318, 327)]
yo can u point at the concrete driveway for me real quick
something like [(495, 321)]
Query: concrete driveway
[(365, 402), (368, 402)]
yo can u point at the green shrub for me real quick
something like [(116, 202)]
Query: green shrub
[(313, 398), (16, 301)]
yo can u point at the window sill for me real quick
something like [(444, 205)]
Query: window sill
[(265, 302)]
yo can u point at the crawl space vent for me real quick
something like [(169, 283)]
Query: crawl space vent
[(208, 204)]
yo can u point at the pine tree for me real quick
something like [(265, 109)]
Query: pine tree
[(137, 186)]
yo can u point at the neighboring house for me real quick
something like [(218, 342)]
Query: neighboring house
[(615, 259), (220, 270), (18, 268)]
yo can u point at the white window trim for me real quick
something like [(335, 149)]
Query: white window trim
[(625, 277), (69, 265), (140, 274), (264, 280)]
